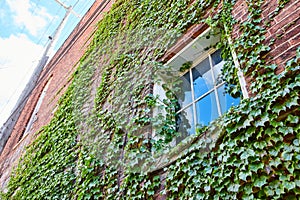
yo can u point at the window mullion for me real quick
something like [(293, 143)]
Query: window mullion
[(215, 87), (193, 99)]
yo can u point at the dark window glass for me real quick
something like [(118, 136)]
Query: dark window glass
[(202, 78), (184, 95)]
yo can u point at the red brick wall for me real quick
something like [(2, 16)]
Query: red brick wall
[(60, 68), (284, 29)]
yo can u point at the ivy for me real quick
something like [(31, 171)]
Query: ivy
[(100, 143)]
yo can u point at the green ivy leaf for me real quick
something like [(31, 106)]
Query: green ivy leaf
[(287, 155), (269, 191), (262, 180), (286, 130), (289, 166), (296, 142), (192, 173), (247, 153), (207, 188), (151, 192), (293, 119), (244, 174), (270, 131), (262, 121), (260, 145), (289, 185), (256, 166), (234, 187)]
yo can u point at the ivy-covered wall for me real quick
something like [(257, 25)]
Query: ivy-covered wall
[(100, 143), (61, 66)]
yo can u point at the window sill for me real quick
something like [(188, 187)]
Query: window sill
[(188, 146)]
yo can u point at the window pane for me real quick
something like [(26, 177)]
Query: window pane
[(217, 72), (206, 109), (202, 78), (184, 94), (216, 57), (185, 122), (226, 101), (217, 66)]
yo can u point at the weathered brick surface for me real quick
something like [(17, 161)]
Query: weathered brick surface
[(60, 68), (268, 8), (283, 30), (188, 37)]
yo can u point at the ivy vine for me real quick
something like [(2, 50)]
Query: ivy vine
[(100, 143)]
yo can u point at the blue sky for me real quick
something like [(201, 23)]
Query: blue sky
[(24, 29)]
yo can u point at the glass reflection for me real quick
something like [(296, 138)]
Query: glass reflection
[(226, 101), (184, 93), (218, 73), (202, 78), (216, 57), (217, 66), (206, 109), (185, 123)]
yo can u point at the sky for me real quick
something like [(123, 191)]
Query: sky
[(25, 26)]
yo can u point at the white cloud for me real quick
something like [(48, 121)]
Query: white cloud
[(29, 15), (18, 57)]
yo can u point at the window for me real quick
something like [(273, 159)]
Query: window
[(202, 96), (201, 91)]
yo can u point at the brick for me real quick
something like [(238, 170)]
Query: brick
[(288, 19), (61, 67), (294, 7), (268, 8), (279, 49), (240, 5), (279, 68), (284, 28), (286, 55), (289, 31), (295, 41)]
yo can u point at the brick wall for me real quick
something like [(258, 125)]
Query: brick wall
[(60, 68), (284, 29)]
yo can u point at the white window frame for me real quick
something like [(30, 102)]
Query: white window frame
[(214, 89), (196, 61)]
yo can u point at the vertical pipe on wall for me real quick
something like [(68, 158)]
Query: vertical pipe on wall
[(237, 65)]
